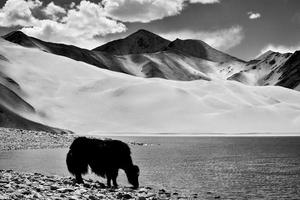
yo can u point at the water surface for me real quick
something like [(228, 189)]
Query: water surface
[(232, 167)]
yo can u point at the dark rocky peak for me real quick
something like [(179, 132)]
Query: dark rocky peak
[(295, 57), (290, 72), (141, 41), (20, 38), (200, 49), (143, 33), (16, 35), (269, 54)]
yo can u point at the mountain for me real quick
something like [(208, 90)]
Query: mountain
[(83, 98), (290, 72), (145, 54), (69, 51), (139, 42), (152, 58), (272, 68), (10, 119), (144, 41), (200, 49)]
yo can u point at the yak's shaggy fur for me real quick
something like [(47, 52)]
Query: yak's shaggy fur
[(105, 158)]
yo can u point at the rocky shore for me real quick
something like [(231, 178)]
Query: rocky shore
[(17, 185), (17, 139)]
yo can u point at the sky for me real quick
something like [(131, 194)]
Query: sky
[(242, 28)]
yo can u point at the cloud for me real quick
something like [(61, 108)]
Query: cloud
[(205, 1), (253, 15), (78, 25), (18, 12), (147, 10), (223, 39), (280, 48), (54, 11), (142, 10)]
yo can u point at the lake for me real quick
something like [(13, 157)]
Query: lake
[(231, 167)]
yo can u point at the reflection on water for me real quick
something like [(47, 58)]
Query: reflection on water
[(231, 167)]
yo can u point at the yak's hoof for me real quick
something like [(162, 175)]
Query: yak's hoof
[(78, 182)]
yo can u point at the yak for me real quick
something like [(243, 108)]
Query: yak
[(104, 157)]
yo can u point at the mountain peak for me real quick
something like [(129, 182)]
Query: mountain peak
[(15, 34), (141, 41), (200, 49), (144, 34), (20, 38), (143, 31), (266, 54)]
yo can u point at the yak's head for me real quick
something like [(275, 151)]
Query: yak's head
[(133, 173)]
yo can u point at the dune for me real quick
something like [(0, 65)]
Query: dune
[(86, 99)]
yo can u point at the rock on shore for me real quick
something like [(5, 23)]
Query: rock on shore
[(16, 185), (15, 139)]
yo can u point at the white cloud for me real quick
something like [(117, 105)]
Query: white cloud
[(78, 26), (18, 12), (253, 15), (223, 39), (147, 10), (72, 5), (205, 1), (280, 48), (142, 10), (54, 11)]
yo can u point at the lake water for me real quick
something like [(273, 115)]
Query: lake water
[(232, 168)]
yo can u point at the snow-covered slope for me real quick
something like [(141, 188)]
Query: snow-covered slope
[(80, 97), (271, 68), (13, 106), (155, 59), (145, 54)]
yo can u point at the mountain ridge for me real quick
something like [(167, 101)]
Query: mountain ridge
[(166, 63), (141, 41), (200, 49), (145, 54)]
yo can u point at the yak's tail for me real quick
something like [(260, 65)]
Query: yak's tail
[(77, 161)]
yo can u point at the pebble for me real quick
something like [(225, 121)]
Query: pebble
[(17, 139), (38, 186), (4, 197)]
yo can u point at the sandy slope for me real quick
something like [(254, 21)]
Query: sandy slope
[(83, 98), (147, 55)]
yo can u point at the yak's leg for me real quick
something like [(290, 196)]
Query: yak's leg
[(114, 178), (108, 177), (78, 178)]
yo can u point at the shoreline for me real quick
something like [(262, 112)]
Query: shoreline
[(20, 185), (15, 185), (19, 139)]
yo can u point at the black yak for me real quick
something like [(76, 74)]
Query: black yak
[(104, 157)]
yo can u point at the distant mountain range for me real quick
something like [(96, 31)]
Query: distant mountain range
[(145, 54), (122, 87)]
